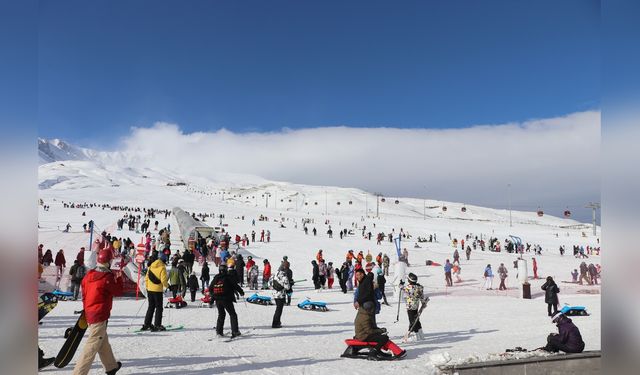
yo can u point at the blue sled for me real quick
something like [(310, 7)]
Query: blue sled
[(259, 300), (574, 310), (313, 305), (62, 295)]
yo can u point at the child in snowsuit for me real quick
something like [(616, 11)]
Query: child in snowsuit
[(253, 277), (414, 299)]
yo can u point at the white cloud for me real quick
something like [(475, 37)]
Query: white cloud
[(552, 162)]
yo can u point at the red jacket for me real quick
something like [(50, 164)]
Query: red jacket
[(250, 264), (98, 289), (266, 273)]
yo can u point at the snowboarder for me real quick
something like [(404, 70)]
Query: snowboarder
[(488, 278), (551, 295), (414, 297), (280, 284), (223, 290), (156, 282), (568, 339), (99, 287), (503, 273)]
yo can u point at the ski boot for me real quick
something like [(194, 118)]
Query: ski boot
[(113, 372)]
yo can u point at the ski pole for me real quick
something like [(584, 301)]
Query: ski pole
[(399, 299)]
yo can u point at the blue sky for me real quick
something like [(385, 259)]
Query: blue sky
[(105, 66)]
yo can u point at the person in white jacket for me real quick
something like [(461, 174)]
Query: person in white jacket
[(279, 284)]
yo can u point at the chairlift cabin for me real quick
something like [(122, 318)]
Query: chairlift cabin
[(338, 203), (463, 209), (567, 214), (444, 208), (315, 203), (397, 201), (350, 202), (540, 213), (382, 200)]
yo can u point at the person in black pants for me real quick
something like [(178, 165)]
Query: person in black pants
[(551, 291), (156, 281), (279, 285), (204, 276), (223, 290), (289, 273)]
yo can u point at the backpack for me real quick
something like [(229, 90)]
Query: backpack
[(486, 273), (80, 272), (217, 289), (277, 286)]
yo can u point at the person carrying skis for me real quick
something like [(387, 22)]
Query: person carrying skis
[(156, 282), (266, 274), (551, 291), (503, 273), (223, 290), (414, 300), (99, 287), (280, 285), (568, 339)]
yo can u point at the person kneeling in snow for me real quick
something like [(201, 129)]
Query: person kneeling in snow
[(568, 338), (367, 331)]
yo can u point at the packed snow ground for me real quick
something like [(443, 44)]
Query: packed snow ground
[(460, 322)]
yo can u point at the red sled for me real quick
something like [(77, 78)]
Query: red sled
[(177, 302), (206, 300), (367, 350), (432, 263)]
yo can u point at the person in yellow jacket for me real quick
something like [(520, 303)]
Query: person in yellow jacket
[(156, 281)]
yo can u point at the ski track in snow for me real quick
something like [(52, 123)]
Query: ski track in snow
[(463, 323)]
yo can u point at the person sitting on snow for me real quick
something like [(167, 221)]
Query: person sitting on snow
[(366, 330), (568, 338)]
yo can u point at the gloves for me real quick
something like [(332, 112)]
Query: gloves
[(401, 282)]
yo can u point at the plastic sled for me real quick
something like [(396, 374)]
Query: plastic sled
[(206, 301), (574, 310), (259, 300), (364, 350), (313, 305), (62, 295), (177, 303)]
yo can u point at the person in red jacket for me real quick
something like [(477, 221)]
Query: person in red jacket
[(266, 274), (250, 263), (99, 287), (60, 263)]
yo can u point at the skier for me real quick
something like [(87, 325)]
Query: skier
[(280, 284), (193, 285), (204, 276), (568, 339), (447, 273), (551, 295), (366, 330), (414, 297), (266, 274), (503, 273), (156, 282), (99, 287), (223, 290), (488, 278)]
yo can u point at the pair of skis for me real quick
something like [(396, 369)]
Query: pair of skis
[(424, 305)]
